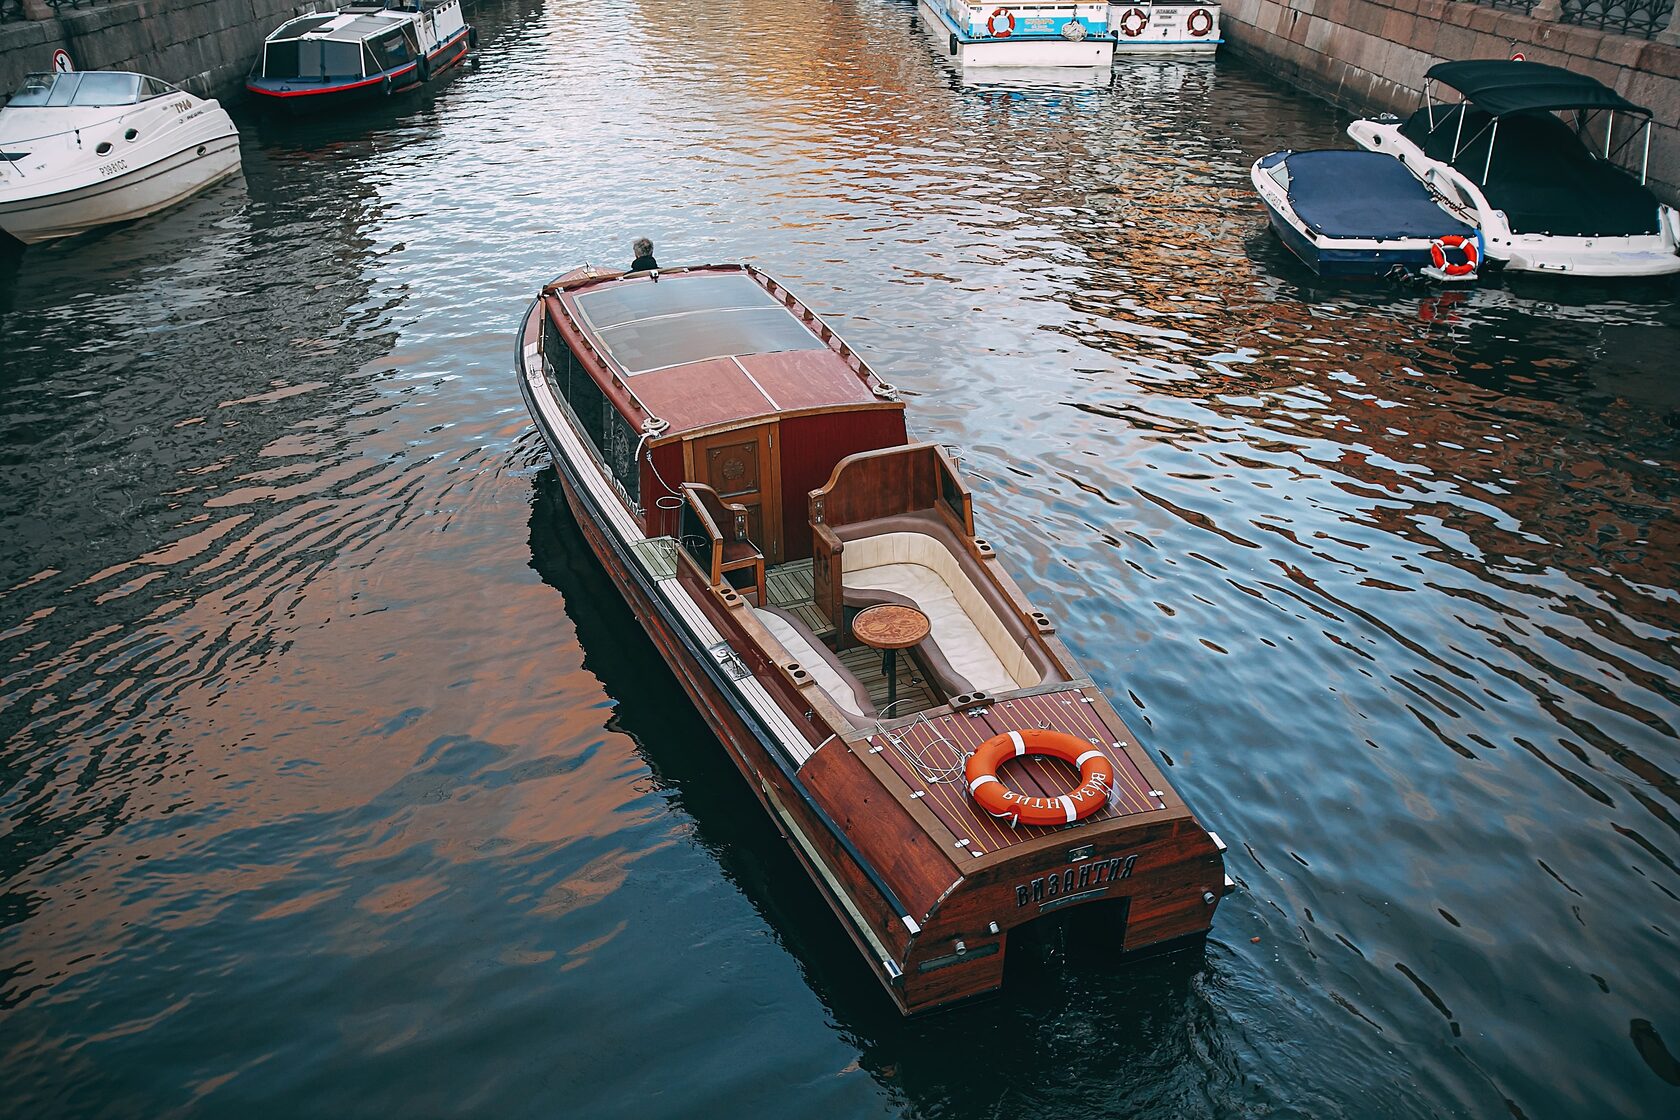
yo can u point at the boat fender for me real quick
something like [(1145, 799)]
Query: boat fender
[(1133, 21), (423, 67), (472, 37), (386, 85), (1438, 254), (1096, 777), (1199, 23), (1009, 23), (953, 44)]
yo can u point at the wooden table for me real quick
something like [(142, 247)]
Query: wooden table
[(889, 628)]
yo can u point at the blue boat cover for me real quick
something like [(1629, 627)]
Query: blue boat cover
[(1364, 194)]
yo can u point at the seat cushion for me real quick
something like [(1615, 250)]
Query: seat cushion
[(950, 627), (842, 687)]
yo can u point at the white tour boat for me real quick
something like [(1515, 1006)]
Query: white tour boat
[(79, 150), (1067, 34), (1504, 162)]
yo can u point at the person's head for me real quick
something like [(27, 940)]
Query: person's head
[(642, 247)]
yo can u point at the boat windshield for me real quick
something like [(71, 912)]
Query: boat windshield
[(313, 58), (94, 88), (684, 319)]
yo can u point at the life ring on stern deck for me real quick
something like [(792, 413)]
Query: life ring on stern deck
[(1009, 27), (1438, 253), (1206, 18), (1096, 777), (1133, 30)]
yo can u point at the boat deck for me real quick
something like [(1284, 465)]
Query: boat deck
[(928, 754)]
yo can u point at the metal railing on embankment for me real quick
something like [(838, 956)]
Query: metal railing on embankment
[(13, 9), (1640, 19)]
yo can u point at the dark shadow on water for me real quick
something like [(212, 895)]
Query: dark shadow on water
[(1065, 985)]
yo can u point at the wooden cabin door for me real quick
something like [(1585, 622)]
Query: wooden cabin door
[(743, 467)]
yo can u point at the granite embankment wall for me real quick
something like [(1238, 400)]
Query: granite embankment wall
[(1370, 56), (205, 45)]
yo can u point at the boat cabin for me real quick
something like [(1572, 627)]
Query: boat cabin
[(736, 425), (360, 47)]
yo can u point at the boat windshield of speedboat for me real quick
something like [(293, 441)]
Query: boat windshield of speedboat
[(93, 89)]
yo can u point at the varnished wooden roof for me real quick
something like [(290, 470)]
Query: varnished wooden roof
[(704, 347)]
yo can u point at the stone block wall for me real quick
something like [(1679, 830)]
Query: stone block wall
[(206, 46), (1370, 56)]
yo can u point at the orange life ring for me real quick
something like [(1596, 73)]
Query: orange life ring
[(1207, 22), (991, 24), (1438, 254), (1096, 777), (1126, 22)]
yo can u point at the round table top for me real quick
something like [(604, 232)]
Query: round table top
[(890, 626)]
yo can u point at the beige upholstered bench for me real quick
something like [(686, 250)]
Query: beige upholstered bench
[(830, 675), (968, 635)]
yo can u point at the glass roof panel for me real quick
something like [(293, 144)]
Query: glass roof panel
[(675, 295), (674, 339)]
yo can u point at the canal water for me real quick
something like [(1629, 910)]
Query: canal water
[(337, 780)]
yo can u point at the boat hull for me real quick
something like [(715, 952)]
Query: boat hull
[(1347, 257), (1016, 51), (1160, 879), (297, 97), (135, 194)]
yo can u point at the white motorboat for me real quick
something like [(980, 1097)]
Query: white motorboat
[(1065, 33), (1503, 161), (80, 150)]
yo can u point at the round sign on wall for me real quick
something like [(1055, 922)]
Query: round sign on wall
[(1518, 56), (61, 61)]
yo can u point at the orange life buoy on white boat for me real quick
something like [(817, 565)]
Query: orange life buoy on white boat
[(1096, 777), (1134, 27), (1009, 27), (1438, 253), (1199, 23)]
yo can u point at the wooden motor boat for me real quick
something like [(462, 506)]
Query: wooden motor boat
[(746, 480), (359, 52), (84, 149)]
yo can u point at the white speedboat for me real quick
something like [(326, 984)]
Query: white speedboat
[(80, 150), (1502, 161), (1065, 33)]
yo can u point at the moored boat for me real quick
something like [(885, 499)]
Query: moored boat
[(1543, 200), (747, 482), (1048, 33), (1360, 214), (360, 52), (83, 149)]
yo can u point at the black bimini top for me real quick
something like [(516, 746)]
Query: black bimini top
[(1503, 86)]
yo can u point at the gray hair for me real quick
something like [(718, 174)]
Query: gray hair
[(642, 247)]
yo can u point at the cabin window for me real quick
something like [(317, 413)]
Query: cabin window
[(280, 60), (370, 64), (341, 59), (391, 49), (151, 87), (610, 434)]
